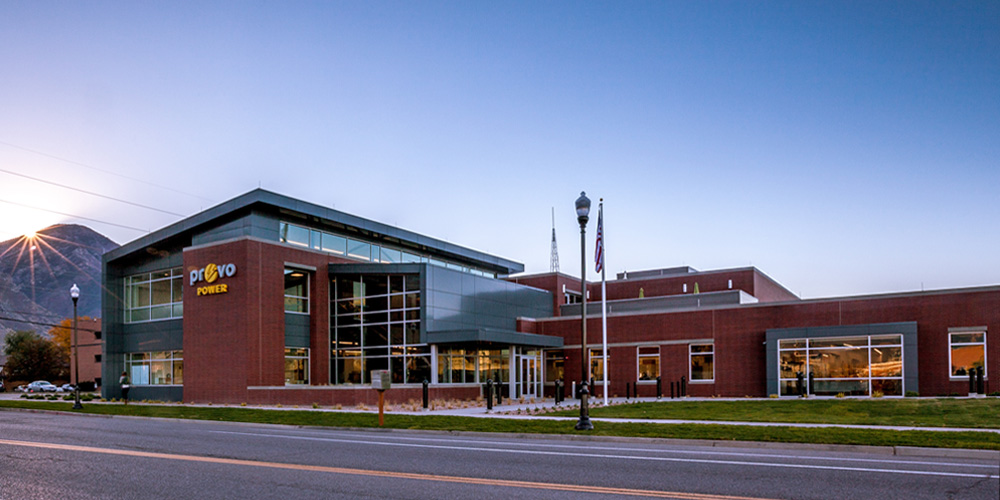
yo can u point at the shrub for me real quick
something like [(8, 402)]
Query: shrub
[(839, 395), (877, 394), (994, 393), (315, 406), (774, 396), (912, 394)]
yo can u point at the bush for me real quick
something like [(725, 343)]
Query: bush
[(912, 394), (774, 396), (839, 395), (994, 393), (877, 394)]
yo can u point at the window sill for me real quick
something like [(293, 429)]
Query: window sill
[(701, 381)]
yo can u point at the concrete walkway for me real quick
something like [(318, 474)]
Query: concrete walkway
[(523, 411)]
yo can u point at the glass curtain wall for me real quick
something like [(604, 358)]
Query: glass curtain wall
[(376, 326), (852, 366), (154, 296), (155, 368), (362, 250)]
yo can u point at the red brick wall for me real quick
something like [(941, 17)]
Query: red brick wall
[(89, 346), (236, 340), (739, 335)]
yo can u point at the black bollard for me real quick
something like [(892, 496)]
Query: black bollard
[(672, 389), (980, 382), (684, 388), (812, 381), (659, 388), (628, 391), (972, 380), (800, 383), (499, 387), (427, 395), (489, 395), (558, 394)]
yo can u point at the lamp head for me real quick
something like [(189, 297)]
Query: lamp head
[(582, 209), (74, 292)]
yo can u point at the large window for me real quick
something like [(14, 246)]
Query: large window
[(966, 352), (155, 368), (597, 365), (154, 296), (702, 362), (648, 363), (357, 249), (853, 366), (296, 366), (296, 291), (376, 326)]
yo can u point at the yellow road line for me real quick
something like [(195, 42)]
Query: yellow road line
[(386, 474)]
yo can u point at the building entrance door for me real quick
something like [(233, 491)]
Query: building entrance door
[(530, 376)]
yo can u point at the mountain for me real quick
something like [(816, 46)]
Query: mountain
[(37, 272)]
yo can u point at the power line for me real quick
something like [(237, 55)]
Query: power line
[(75, 216), (39, 323), (123, 176), (112, 198)]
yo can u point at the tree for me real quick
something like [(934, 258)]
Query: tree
[(31, 357), (62, 335)]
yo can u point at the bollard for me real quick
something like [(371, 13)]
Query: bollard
[(812, 380), (684, 388), (426, 393), (558, 394), (499, 388), (489, 395), (980, 385), (972, 380), (627, 391), (671, 389), (659, 388), (576, 395), (800, 383)]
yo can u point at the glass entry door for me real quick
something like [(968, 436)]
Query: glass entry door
[(530, 374)]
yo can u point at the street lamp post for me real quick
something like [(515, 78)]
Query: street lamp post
[(582, 213), (74, 293)]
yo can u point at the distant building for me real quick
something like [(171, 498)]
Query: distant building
[(91, 348), (268, 299)]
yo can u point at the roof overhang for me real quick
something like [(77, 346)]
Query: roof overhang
[(480, 335)]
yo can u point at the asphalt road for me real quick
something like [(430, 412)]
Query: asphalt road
[(56, 456)]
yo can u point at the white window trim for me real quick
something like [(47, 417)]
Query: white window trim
[(307, 298), (986, 370), (691, 353), (638, 357)]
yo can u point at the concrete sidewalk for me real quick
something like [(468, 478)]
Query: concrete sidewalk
[(524, 411)]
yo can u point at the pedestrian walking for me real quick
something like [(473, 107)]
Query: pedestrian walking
[(123, 380)]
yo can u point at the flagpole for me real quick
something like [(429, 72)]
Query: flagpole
[(604, 301)]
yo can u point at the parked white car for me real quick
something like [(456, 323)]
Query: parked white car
[(41, 386)]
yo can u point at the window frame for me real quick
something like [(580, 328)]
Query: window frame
[(952, 344), (133, 282), (691, 356), (638, 363), (305, 299), (297, 356)]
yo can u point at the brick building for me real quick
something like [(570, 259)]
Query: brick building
[(267, 299)]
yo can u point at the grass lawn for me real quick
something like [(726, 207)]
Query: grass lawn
[(977, 440), (943, 412)]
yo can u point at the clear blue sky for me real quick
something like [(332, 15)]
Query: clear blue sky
[(841, 147)]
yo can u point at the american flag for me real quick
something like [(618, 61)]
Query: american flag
[(599, 249)]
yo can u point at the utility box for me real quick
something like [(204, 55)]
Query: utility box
[(381, 380)]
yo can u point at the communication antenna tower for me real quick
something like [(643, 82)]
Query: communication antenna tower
[(554, 260)]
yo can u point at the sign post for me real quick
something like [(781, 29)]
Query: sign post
[(381, 381)]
